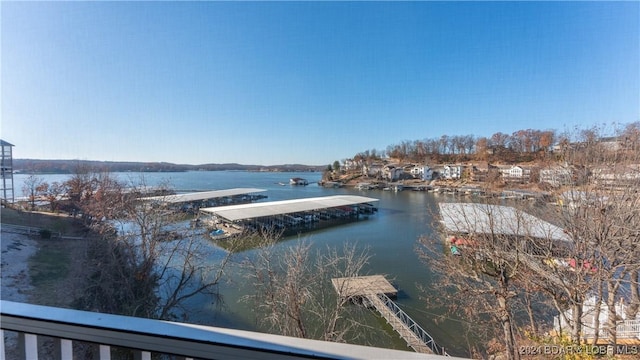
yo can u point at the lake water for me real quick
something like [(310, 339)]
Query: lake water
[(391, 236)]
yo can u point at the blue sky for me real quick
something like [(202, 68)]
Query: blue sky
[(305, 82)]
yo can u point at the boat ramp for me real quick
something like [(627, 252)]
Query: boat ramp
[(376, 292)]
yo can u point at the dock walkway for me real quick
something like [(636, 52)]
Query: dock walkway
[(374, 292)]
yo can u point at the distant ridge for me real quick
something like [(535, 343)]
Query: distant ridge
[(70, 166)]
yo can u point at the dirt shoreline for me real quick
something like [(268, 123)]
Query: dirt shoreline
[(40, 271), (17, 249)]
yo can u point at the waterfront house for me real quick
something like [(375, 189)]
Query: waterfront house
[(423, 172), (372, 170), (392, 172), (626, 327), (556, 175), (351, 165), (616, 176), (516, 173), (611, 143), (477, 172), (577, 198), (452, 172)]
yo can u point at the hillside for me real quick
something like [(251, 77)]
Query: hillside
[(70, 166)]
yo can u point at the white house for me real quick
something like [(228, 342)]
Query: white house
[(556, 176), (516, 173), (452, 172), (350, 165), (617, 175), (392, 172), (372, 170), (627, 328), (423, 172)]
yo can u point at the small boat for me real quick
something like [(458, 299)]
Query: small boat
[(217, 233), (455, 250), (363, 186), (298, 181)]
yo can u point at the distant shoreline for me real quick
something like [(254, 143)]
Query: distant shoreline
[(38, 166)]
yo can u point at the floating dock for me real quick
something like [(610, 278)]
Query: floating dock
[(375, 291), (363, 286)]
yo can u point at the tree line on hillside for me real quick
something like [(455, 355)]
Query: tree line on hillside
[(520, 146)]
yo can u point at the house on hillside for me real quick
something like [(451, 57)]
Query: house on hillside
[(372, 170), (626, 328), (351, 165), (616, 176), (478, 172), (516, 173), (453, 172), (611, 143), (423, 172), (392, 172), (556, 175), (576, 198)]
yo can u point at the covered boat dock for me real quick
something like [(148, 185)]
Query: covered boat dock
[(193, 201), (292, 213), (475, 218)]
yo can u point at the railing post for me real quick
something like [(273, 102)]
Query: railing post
[(63, 349), (28, 344), (2, 355), (142, 355), (105, 352)]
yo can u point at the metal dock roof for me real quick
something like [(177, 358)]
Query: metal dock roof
[(484, 218), (202, 195), (272, 208)]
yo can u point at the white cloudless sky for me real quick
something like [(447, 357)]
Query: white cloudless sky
[(304, 82)]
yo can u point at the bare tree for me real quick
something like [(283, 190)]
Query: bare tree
[(605, 217), (53, 193), (293, 292), (634, 290), (32, 188), (145, 265), (486, 265)]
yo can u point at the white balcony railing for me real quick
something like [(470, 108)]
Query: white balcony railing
[(145, 337), (625, 329)]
